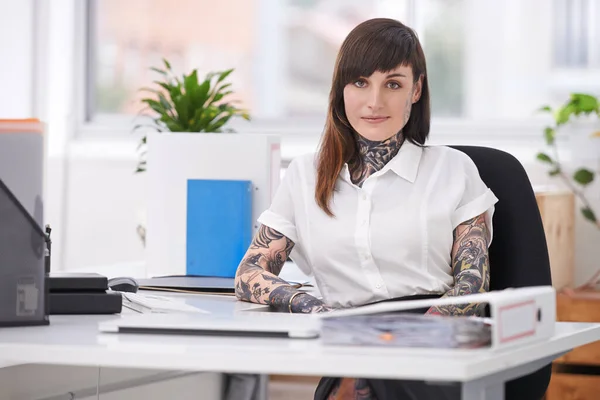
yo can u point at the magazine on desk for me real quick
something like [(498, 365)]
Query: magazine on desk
[(517, 316)]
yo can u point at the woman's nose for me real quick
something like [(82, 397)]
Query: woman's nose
[(375, 99)]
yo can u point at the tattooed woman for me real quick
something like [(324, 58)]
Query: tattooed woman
[(375, 214)]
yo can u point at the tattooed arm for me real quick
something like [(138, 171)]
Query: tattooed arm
[(470, 266), (257, 279)]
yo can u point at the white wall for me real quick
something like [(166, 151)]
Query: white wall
[(16, 46)]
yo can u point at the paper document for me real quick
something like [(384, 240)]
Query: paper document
[(407, 330), (149, 304)]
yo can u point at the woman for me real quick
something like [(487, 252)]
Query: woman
[(375, 215)]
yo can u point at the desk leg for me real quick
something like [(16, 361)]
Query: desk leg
[(492, 387), (479, 391), (263, 388)]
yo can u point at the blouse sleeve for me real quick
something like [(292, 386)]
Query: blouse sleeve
[(280, 215), (476, 198)]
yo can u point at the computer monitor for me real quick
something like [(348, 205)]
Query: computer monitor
[(22, 264)]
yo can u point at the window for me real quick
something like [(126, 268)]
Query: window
[(576, 33), (442, 27), (283, 51), (127, 38), (486, 59)]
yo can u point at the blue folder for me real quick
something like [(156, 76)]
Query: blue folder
[(219, 226)]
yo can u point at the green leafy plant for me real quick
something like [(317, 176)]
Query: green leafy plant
[(579, 104), (186, 104)]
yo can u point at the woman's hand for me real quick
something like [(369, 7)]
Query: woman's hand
[(306, 304)]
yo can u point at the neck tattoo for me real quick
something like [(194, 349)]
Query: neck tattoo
[(373, 156)]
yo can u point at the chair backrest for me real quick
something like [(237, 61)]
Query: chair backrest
[(518, 253)]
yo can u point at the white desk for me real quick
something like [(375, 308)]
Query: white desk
[(75, 340)]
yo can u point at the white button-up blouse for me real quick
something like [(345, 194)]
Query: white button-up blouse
[(391, 238)]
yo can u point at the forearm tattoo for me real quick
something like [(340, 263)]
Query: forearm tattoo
[(257, 280), (470, 266), (278, 248), (351, 388), (304, 303)]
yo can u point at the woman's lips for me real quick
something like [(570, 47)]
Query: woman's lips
[(375, 120)]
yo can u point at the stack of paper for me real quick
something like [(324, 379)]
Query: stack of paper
[(407, 330), (149, 304)]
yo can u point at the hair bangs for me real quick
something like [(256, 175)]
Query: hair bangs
[(379, 51)]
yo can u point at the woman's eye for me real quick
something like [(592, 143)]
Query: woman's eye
[(360, 83), (393, 85)]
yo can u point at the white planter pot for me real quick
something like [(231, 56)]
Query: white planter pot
[(176, 162), (585, 150)]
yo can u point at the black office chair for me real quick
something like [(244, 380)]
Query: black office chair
[(518, 253)]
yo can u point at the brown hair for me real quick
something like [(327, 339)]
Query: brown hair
[(378, 44)]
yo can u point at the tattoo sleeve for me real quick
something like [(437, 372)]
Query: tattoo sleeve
[(470, 267), (351, 388), (257, 279)]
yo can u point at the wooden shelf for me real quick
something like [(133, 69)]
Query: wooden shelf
[(578, 306)]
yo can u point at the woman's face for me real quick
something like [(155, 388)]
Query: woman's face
[(378, 106)]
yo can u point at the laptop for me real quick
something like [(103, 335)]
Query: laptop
[(255, 324)]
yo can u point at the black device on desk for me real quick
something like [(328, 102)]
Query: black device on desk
[(81, 293), (123, 284), (189, 284), (22, 248)]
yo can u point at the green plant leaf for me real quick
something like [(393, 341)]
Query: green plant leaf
[(141, 167), (195, 126), (169, 88), (589, 214), (208, 115), (549, 134), (218, 123), (142, 143), (554, 172), (174, 126), (150, 90), (164, 102), (186, 104), (182, 106), (584, 102), (156, 106), (139, 126), (224, 75), (563, 114), (190, 82), (200, 96), (583, 176), (545, 109), (544, 158), (160, 71)]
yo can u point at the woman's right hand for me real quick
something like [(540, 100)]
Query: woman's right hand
[(307, 304)]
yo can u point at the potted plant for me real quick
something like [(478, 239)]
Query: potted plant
[(190, 144), (187, 105), (579, 108)]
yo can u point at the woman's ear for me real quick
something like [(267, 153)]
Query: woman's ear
[(416, 95)]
